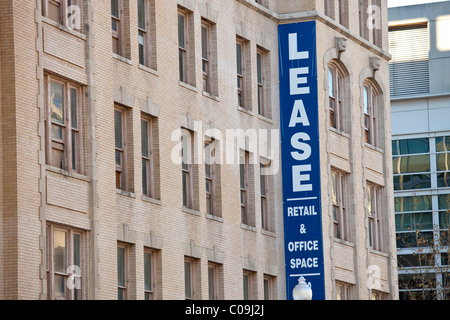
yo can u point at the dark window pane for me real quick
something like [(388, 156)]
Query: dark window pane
[(413, 181), (410, 146), (415, 203), (144, 137), (115, 8), (118, 128), (141, 14), (181, 35), (443, 180)]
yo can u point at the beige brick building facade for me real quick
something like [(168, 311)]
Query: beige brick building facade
[(93, 202)]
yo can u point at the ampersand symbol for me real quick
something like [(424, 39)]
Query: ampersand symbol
[(302, 229)]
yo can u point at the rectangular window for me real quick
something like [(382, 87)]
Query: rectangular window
[(182, 46), (410, 146), (260, 70), (52, 9), (339, 200), (148, 166), (211, 180), (362, 7), (268, 287), (243, 176), (206, 55), (411, 164), (120, 148), (248, 285), (242, 70), (148, 275), (264, 197), (344, 291), (187, 169), (213, 282), (123, 150), (122, 272), (143, 25), (409, 68), (335, 93), (371, 101), (329, 8), (65, 12), (443, 161), (375, 217), (117, 26), (377, 295), (375, 14), (63, 125), (185, 47), (146, 33), (343, 12), (189, 279), (65, 263)]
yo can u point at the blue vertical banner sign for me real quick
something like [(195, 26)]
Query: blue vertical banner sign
[(301, 157)]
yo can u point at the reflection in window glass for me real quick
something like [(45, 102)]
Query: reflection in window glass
[(410, 146), (443, 144), (414, 221), (412, 181), (409, 164), (443, 161), (415, 203)]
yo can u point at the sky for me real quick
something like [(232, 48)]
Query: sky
[(397, 3)]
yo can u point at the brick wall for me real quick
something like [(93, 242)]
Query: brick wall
[(34, 195)]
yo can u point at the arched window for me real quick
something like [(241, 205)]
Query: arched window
[(371, 107), (336, 94)]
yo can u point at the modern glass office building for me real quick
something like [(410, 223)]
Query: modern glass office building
[(420, 108)]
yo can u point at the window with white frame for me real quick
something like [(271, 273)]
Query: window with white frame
[(260, 76), (336, 91), (65, 263), (64, 139), (374, 213), (371, 102), (339, 202), (65, 12)]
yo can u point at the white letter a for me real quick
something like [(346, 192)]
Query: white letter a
[(298, 115)]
